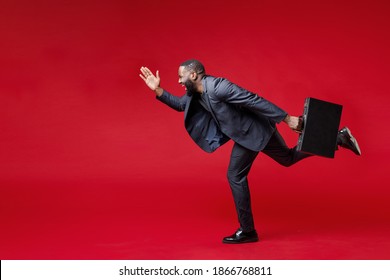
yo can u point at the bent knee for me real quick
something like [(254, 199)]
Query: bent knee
[(234, 177)]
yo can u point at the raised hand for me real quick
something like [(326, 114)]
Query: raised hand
[(153, 82)]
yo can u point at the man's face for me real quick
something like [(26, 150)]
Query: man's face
[(185, 79)]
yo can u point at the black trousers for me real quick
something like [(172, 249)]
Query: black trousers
[(241, 161)]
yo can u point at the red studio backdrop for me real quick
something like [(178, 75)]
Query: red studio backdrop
[(93, 167)]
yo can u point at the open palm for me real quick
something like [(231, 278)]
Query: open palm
[(152, 81)]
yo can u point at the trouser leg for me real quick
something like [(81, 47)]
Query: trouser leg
[(241, 160), (278, 150)]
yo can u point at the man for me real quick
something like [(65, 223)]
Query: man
[(215, 111)]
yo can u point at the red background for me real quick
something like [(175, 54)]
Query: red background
[(93, 167)]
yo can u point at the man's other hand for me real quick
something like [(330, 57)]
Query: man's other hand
[(295, 123)]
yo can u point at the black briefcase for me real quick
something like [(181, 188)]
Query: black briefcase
[(321, 120)]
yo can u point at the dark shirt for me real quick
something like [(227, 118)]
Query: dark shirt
[(204, 101)]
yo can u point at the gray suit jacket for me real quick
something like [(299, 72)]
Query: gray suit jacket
[(236, 113)]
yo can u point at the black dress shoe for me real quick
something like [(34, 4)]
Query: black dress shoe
[(346, 140), (241, 237)]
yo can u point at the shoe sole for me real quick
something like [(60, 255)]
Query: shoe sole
[(241, 242), (353, 141)]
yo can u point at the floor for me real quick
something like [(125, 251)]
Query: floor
[(112, 221)]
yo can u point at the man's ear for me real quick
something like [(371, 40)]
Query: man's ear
[(194, 76)]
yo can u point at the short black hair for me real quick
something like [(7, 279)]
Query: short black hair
[(194, 65)]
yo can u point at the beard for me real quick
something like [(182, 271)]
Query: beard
[(190, 86)]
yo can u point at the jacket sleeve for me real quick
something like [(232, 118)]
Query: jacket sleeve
[(175, 102), (231, 93)]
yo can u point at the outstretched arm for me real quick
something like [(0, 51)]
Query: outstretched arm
[(234, 94), (152, 81)]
